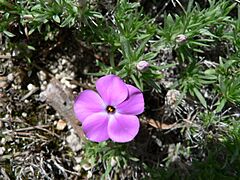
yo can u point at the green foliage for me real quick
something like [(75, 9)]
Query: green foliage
[(107, 155), (229, 82), (191, 35), (229, 89), (223, 156), (226, 76), (193, 79), (202, 28), (46, 17), (129, 33)]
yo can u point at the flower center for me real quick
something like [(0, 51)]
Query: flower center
[(110, 109)]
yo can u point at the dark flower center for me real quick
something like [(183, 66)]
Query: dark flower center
[(110, 109)]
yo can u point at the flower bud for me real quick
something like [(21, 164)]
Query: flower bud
[(142, 66), (181, 38)]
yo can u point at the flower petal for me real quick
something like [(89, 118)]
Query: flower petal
[(123, 128), (87, 103), (134, 104), (95, 127), (112, 89)]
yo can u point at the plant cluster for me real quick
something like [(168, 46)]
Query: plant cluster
[(193, 52)]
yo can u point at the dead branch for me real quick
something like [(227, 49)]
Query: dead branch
[(60, 99)]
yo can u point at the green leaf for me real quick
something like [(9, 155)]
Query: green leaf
[(9, 34), (67, 21), (137, 82), (200, 97), (210, 72), (56, 18), (198, 50), (96, 14), (31, 48), (31, 31), (126, 48), (206, 32), (141, 48), (220, 104), (36, 7), (149, 55), (134, 159), (199, 43)]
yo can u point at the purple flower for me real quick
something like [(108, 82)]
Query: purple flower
[(112, 112)]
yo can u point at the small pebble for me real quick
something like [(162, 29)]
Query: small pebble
[(24, 114), (64, 61), (1, 124), (74, 56), (26, 101), (3, 141), (89, 174), (113, 162), (45, 82), (72, 74), (3, 82), (73, 86), (77, 168), (55, 122), (10, 77), (61, 124), (54, 71), (2, 150), (15, 52), (86, 166), (78, 159), (58, 76), (42, 87), (14, 86), (60, 67), (74, 142), (6, 116), (42, 75)]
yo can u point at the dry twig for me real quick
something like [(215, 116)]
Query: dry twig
[(60, 99)]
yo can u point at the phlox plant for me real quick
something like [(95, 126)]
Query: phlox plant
[(127, 35), (112, 112)]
